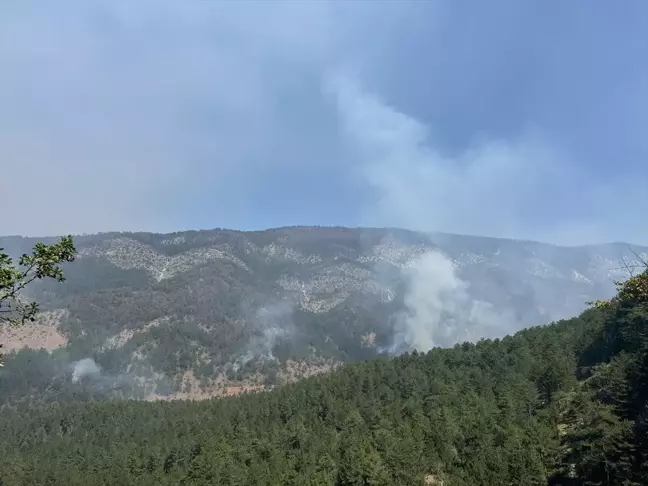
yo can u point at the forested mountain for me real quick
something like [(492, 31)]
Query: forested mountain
[(196, 312), (564, 404)]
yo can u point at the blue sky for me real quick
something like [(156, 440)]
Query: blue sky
[(501, 118)]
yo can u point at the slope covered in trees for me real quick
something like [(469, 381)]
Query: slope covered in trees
[(216, 304), (564, 404)]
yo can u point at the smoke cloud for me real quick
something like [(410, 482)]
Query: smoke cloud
[(88, 373), (434, 294), (85, 367), (417, 187), (440, 311), (272, 323), (166, 115)]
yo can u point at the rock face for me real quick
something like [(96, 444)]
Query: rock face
[(246, 303)]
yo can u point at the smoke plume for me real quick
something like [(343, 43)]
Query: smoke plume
[(419, 188), (271, 323), (440, 311), (85, 367), (88, 372)]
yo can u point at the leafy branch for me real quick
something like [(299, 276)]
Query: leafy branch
[(634, 289), (44, 262)]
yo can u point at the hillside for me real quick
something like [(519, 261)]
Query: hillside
[(196, 312), (564, 404)]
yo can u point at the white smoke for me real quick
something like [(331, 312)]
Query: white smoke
[(420, 188), (440, 311), (87, 370), (434, 293), (86, 367), (272, 322)]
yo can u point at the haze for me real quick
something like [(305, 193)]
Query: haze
[(502, 118)]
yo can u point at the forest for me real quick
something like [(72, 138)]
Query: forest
[(327, 290), (561, 404)]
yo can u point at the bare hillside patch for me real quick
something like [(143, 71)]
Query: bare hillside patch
[(40, 334)]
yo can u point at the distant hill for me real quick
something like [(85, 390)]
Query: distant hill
[(561, 405), (198, 311)]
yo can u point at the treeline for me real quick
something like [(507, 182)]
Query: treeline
[(564, 404)]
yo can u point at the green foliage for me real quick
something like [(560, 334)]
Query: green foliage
[(43, 263), (632, 290), (473, 414), (564, 404)]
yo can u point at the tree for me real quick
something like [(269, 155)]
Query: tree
[(44, 262), (633, 289)]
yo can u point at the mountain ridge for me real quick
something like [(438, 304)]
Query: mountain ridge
[(243, 304), (431, 234)]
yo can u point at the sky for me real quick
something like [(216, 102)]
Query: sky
[(503, 118)]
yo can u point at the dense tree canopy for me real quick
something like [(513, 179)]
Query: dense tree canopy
[(565, 403)]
